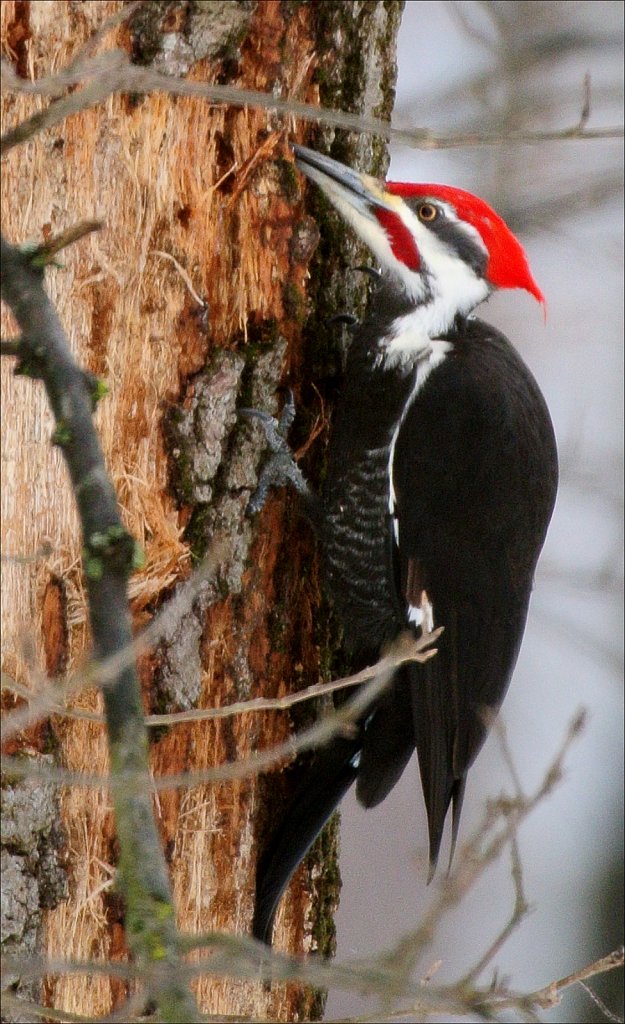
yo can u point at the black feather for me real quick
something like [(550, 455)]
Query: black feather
[(474, 478), (327, 780)]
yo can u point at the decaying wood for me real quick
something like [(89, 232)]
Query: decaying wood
[(189, 302)]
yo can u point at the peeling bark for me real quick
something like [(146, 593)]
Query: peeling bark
[(193, 301)]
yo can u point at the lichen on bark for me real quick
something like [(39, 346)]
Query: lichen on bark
[(32, 873)]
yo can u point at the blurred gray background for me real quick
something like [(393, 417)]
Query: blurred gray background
[(482, 67)]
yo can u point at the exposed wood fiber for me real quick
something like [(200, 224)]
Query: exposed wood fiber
[(201, 185), (205, 247)]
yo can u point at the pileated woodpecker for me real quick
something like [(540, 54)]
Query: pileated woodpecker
[(441, 481)]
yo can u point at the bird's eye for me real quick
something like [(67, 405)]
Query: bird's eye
[(427, 212)]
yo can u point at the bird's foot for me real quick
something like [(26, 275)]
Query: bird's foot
[(281, 467)]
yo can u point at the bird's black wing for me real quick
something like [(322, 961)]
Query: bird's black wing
[(327, 779), (475, 476)]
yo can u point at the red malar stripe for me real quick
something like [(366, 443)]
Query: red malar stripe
[(402, 242)]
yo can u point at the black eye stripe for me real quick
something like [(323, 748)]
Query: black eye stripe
[(453, 235), (466, 247)]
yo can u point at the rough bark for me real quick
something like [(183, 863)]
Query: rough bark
[(181, 184)]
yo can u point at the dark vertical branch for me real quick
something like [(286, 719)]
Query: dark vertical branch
[(107, 557)]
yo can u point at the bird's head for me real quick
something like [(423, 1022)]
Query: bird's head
[(442, 246)]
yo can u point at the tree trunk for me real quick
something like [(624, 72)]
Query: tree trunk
[(194, 299)]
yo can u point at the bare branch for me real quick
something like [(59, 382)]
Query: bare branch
[(341, 719), (45, 253), (52, 696), (549, 996), (480, 850), (386, 977), (112, 72), (17, 1004), (411, 649), (107, 561), (391, 978), (599, 1003), (519, 912)]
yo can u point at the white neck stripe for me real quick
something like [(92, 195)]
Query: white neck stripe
[(438, 350)]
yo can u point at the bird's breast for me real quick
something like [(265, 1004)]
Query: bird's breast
[(359, 526), (356, 549)]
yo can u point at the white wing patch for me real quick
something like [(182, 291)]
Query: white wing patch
[(423, 614)]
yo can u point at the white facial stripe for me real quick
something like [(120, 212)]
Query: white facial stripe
[(436, 352), (418, 229), (449, 285), (455, 286), (357, 211)]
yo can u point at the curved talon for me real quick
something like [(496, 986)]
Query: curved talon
[(272, 428), (256, 414), (371, 271), (280, 468), (342, 318), (287, 415)]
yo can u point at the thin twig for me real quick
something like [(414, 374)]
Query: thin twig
[(412, 650), (599, 1003), (500, 731), (480, 850), (521, 907), (185, 277), (112, 72), (340, 720), (551, 995), (104, 672), (45, 253), (519, 912), (16, 1003), (243, 957), (320, 424)]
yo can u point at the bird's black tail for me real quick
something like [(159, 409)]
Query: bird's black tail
[(454, 699), (330, 775)]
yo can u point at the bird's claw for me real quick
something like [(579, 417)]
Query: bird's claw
[(287, 415), (270, 425), (276, 431), (371, 271), (280, 468), (348, 319)]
